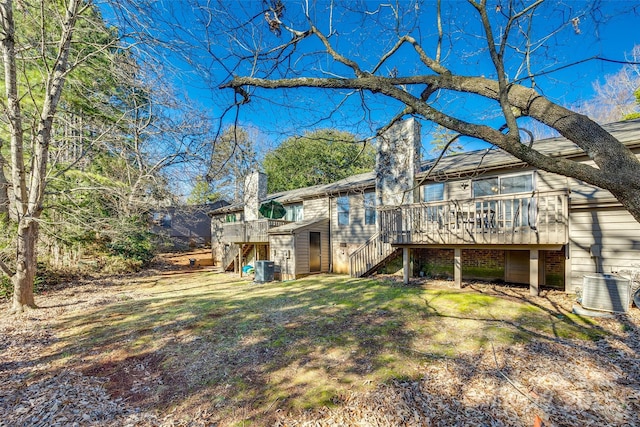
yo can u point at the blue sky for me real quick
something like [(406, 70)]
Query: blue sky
[(210, 40)]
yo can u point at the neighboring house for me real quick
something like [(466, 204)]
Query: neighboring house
[(478, 215), (184, 226)]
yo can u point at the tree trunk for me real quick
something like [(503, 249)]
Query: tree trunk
[(23, 279), (29, 196), (4, 192)]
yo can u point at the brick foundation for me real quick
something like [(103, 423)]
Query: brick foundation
[(554, 262), (482, 264), (433, 262)]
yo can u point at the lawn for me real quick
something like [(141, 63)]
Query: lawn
[(239, 353)]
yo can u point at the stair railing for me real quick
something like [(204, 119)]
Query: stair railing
[(229, 256), (368, 255)]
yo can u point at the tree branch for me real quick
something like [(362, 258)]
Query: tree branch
[(343, 60), (497, 57), (526, 99), (432, 64), (5, 269), (515, 100)]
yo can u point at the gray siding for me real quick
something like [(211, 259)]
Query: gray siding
[(291, 251), (603, 240), (453, 190), (316, 208), (547, 181), (585, 193), (325, 243), (347, 238), (356, 231), (283, 254), (604, 237), (302, 252)]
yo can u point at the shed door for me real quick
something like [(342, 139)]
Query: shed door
[(314, 251), (517, 267)]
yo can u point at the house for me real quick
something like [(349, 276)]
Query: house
[(476, 215), (187, 226)]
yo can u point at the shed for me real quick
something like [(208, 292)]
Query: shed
[(301, 248)]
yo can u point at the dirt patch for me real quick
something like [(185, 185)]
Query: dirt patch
[(185, 261), (136, 378)]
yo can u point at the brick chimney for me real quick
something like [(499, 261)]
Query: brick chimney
[(397, 163), (255, 191)]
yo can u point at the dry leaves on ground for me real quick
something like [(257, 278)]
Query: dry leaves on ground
[(566, 383)]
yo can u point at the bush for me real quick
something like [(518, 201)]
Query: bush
[(43, 279), (6, 287), (120, 265), (137, 246)]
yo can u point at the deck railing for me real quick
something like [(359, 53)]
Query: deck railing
[(535, 218), (250, 231)]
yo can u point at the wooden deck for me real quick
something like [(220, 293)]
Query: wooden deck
[(539, 218), (250, 231)]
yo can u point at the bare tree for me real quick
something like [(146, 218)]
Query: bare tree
[(232, 156), (614, 96), (85, 121), (113, 164), (30, 109), (315, 56)]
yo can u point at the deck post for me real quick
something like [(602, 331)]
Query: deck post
[(240, 259), (567, 270), (457, 267), (406, 262), (534, 266)]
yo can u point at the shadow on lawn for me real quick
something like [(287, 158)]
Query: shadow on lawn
[(233, 344), (242, 350), (612, 350)]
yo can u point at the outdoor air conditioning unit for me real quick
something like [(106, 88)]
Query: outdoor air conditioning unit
[(264, 271), (606, 292)]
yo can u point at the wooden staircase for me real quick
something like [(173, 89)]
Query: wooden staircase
[(230, 256), (371, 255)]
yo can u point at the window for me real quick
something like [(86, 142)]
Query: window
[(516, 184), (166, 221), (230, 218), (503, 185), (343, 210), (161, 219), (370, 208), (294, 212), (485, 187), (433, 192), (515, 212)]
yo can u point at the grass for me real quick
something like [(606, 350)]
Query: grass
[(214, 340)]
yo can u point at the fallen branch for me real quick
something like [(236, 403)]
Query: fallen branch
[(543, 409)]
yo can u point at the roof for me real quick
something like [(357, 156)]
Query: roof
[(627, 132), (191, 209), (456, 165), (352, 183), (292, 227)]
